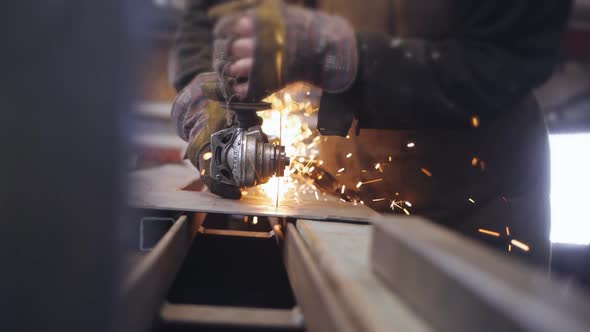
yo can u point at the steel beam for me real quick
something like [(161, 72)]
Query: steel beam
[(327, 264), (147, 284), (459, 285)]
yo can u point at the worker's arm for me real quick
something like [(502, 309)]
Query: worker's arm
[(492, 57), (497, 53), (193, 114)]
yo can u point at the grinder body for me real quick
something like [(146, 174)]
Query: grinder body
[(242, 155)]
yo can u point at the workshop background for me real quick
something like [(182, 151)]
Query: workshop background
[(66, 235)]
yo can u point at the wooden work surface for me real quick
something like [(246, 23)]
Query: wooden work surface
[(341, 252), (161, 188)]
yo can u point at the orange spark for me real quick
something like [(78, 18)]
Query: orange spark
[(373, 181), (474, 161), (349, 155), (408, 203), (207, 155), (343, 188), (359, 184), (475, 121), (507, 230), (406, 211), (254, 220), (427, 172), (492, 233), (520, 245), (378, 199), (341, 170), (377, 165)]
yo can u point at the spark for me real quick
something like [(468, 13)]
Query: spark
[(321, 162), (244, 193), (245, 219), (301, 159), (373, 181), (377, 165), (254, 220), (408, 203), (320, 177), (363, 203), (363, 171), (411, 145), (278, 230), (342, 200), (406, 211), (311, 169), (509, 247), (475, 121), (347, 136), (520, 245), (207, 155), (203, 171), (343, 188), (488, 232), (341, 170), (427, 172), (389, 158), (507, 230), (471, 200), (349, 155), (378, 199), (359, 184), (317, 197), (474, 161)]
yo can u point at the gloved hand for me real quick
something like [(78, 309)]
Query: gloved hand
[(258, 51), (197, 118)]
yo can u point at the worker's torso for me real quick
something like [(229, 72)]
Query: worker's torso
[(455, 176)]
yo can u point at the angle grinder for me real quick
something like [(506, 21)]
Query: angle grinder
[(242, 155)]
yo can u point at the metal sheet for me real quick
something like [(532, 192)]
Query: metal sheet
[(161, 188), (459, 285)]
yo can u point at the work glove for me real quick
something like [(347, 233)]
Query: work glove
[(263, 45), (196, 118)]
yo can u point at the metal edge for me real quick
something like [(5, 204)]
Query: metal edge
[(147, 283), (226, 316), (321, 309)]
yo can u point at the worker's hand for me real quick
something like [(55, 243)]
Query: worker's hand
[(197, 118), (260, 50)]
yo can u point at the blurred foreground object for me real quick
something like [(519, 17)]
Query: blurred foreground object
[(67, 81)]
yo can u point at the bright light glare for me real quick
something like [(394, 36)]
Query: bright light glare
[(570, 188)]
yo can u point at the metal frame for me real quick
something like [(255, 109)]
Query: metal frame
[(459, 285)]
